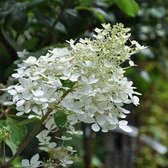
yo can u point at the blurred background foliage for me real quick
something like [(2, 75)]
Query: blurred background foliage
[(39, 25)]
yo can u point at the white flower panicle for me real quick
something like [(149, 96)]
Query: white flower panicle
[(93, 66), (86, 81), (102, 87)]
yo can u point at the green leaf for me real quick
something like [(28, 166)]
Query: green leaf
[(17, 19), (14, 132), (100, 14), (60, 118), (60, 27), (26, 5), (28, 121), (6, 8), (71, 12), (12, 42), (4, 131), (97, 12), (86, 2), (31, 4), (129, 7), (31, 44)]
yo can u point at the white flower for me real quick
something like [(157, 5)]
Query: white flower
[(31, 60), (33, 163), (44, 141), (138, 45), (123, 126), (95, 127), (50, 124), (72, 44), (66, 161), (90, 80), (64, 138), (135, 100), (72, 118), (72, 77), (131, 63), (71, 130)]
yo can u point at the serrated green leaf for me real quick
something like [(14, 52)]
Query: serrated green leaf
[(129, 7), (60, 118), (16, 134)]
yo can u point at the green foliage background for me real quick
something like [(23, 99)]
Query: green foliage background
[(39, 25)]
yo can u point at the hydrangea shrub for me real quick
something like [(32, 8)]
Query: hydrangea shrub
[(82, 83)]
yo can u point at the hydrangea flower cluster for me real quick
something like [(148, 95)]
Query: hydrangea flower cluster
[(86, 81)]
